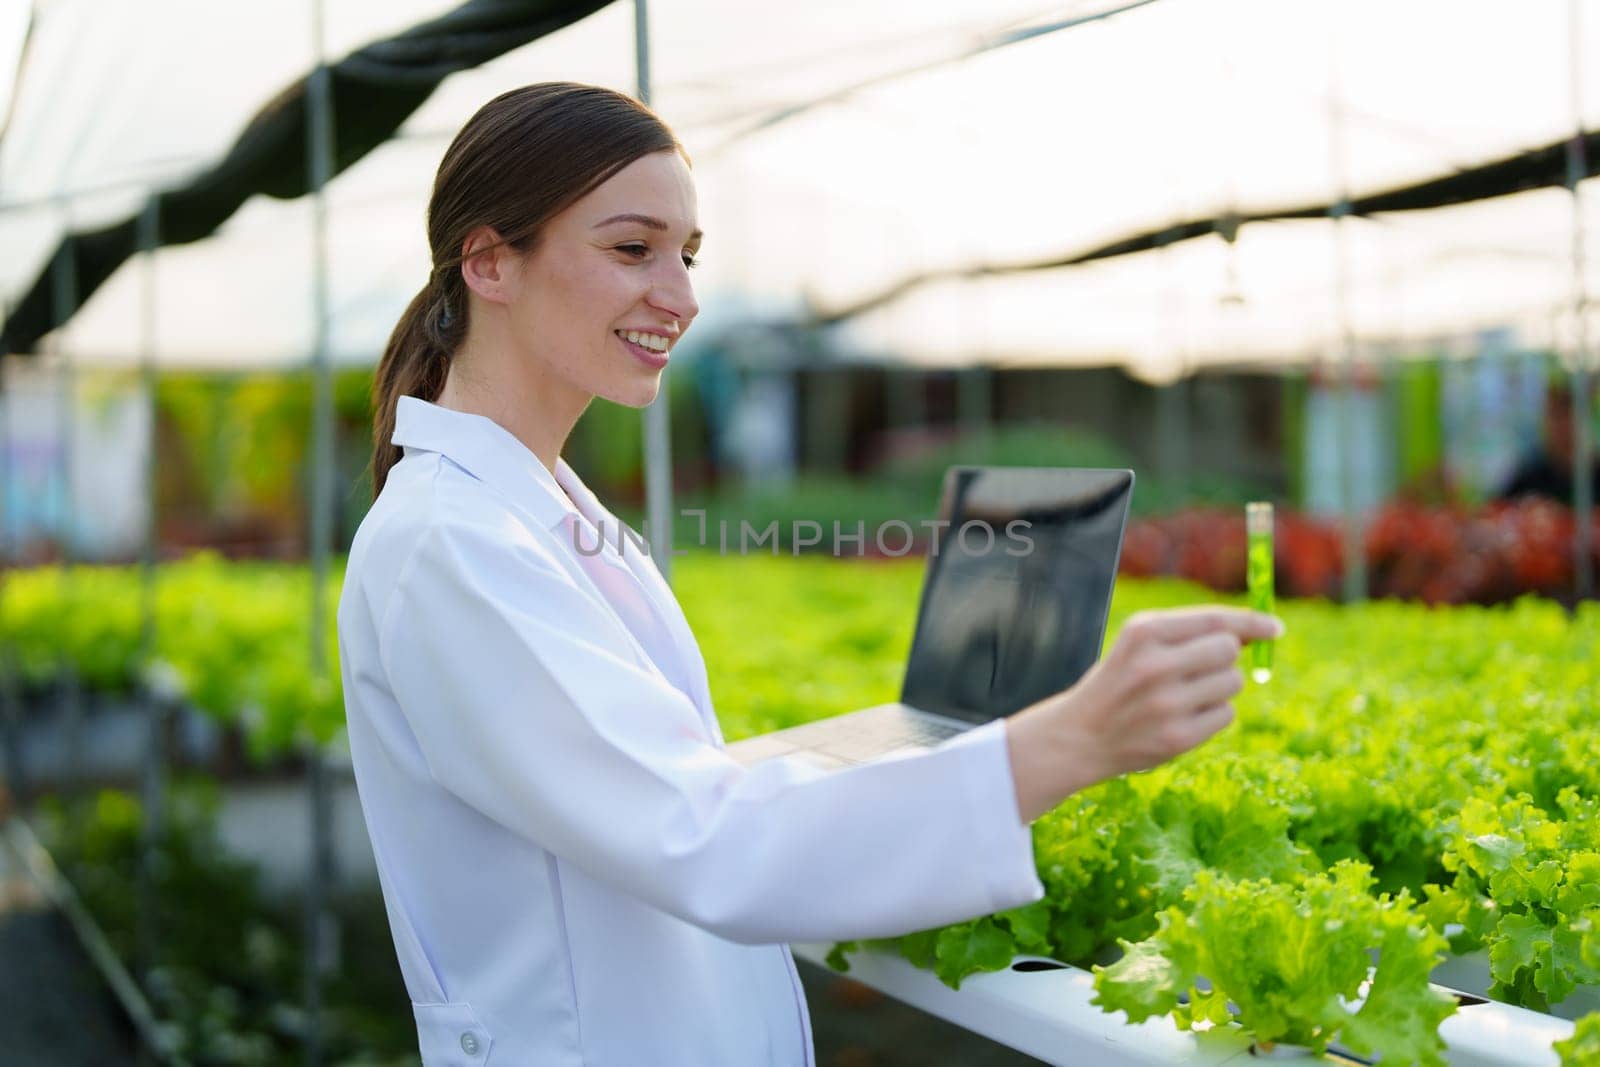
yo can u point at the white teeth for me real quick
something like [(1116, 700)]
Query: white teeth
[(654, 342)]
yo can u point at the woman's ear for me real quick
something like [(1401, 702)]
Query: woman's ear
[(489, 265)]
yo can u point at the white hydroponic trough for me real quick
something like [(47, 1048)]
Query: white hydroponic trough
[(1046, 1013)]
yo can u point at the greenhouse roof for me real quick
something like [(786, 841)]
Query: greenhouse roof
[(844, 151)]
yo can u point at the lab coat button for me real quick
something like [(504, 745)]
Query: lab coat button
[(469, 1043)]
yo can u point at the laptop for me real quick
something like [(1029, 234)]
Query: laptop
[(1015, 599)]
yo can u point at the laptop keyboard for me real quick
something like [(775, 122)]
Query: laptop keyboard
[(872, 735)]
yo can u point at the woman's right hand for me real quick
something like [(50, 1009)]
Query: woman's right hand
[(1165, 687)]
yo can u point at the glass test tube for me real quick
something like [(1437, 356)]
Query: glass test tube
[(1258, 569)]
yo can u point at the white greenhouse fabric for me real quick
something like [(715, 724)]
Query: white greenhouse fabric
[(1177, 109)]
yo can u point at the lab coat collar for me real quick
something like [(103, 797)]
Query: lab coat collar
[(493, 454)]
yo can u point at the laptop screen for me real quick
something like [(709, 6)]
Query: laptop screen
[(1017, 588)]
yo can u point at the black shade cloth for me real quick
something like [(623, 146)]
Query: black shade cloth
[(375, 89), (1535, 169)]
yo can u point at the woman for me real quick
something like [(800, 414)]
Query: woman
[(575, 871)]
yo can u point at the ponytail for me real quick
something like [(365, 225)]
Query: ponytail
[(414, 363)]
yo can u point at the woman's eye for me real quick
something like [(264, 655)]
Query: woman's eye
[(639, 251)]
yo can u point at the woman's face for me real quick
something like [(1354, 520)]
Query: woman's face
[(605, 294)]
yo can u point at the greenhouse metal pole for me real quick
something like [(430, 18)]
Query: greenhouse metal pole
[(10, 703), (321, 936), (1582, 405), (657, 415), (1355, 563), (64, 282), (905, 404), (152, 692), (1355, 560), (1172, 434), (1172, 399), (905, 385), (975, 400), (974, 389)]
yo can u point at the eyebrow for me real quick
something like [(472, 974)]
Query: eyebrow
[(643, 220)]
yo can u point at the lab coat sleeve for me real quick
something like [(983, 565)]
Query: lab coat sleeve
[(529, 704)]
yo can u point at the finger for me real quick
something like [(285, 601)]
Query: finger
[(1205, 654), (1208, 690), (1177, 625), (1206, 724)]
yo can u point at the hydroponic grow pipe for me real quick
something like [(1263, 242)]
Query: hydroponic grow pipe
[(1044, 1008)]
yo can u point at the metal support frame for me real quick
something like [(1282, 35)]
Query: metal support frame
[(906, 401), (64, 284), (155, 702), (321, 930), (10, 702), (18, 837), (658, 414), (1355, 560), (975, 400), (1172, 397), (1582, 405)]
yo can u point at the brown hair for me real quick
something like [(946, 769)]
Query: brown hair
[(523, 158)]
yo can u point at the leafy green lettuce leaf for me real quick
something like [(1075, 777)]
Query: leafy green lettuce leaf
[(1582, 1049), (1289, 958)]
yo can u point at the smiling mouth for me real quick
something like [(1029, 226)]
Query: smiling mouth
[(654, 342), (654, 358)]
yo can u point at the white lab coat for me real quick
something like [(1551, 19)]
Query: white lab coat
[(574, 870)]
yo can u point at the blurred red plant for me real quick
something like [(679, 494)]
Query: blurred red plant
[(1439, 555)]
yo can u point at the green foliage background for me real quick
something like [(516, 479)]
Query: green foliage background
[(1415, 778)]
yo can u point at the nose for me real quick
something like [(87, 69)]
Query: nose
[(673, 294)]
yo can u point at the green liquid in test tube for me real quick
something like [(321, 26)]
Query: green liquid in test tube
[(1258, 567)]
